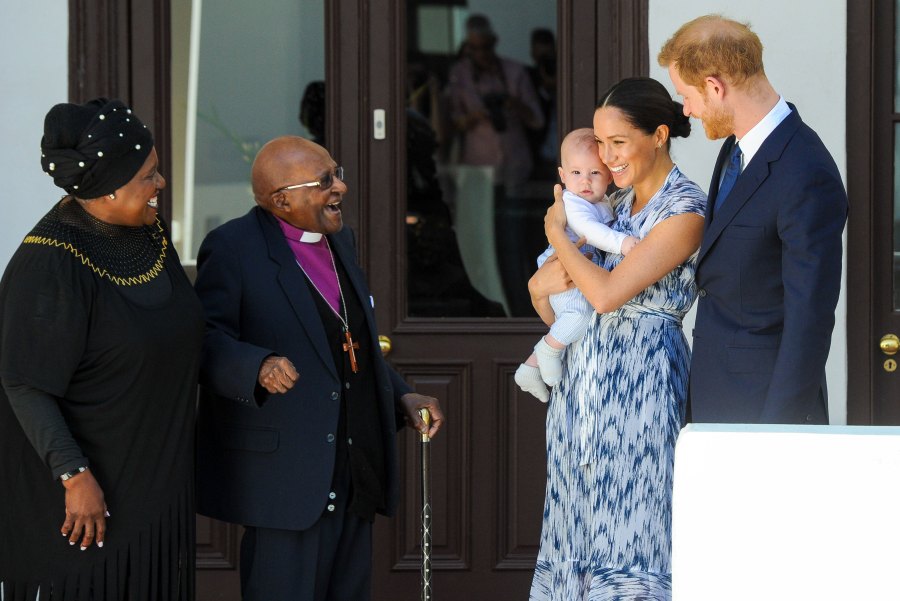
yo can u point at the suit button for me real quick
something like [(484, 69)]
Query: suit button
[(331, 495), (330, 438), (350, 441), (335, 396), (701, 292), (330, 507)]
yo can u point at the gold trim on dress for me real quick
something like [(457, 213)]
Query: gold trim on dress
[(144, 278)]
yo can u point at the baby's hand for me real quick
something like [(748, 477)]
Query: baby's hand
[(629, 243)]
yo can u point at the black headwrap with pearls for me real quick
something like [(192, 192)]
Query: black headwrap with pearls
[(95, 148)]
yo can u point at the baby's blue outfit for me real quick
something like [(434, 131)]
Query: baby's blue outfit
[(573, 311)]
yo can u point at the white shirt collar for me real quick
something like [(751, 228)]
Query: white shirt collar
[(291, 232), (754, 138), (310, 237)]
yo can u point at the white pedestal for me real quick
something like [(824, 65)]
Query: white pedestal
[(766, 513)]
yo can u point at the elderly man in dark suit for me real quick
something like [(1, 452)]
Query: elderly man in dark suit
[(298, 411), (769, 268)]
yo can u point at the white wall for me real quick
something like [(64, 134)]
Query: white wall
[(33, 77), (804, 51)]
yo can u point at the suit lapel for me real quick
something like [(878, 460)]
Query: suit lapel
[(750, 179), (293, 283), (342, 245)]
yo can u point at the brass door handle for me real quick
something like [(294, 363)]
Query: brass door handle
[(384, 343), (889, 344)]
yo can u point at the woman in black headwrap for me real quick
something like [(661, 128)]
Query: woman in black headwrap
[(100, 334)]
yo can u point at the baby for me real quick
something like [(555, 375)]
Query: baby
[(588, 215)]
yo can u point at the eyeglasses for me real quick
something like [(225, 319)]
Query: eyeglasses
[(324, 182)]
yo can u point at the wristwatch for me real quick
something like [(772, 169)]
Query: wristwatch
[(72, 473)]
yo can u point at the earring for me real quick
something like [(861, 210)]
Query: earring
[(112, 196)]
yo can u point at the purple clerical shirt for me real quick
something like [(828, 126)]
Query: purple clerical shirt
[(314, 256)]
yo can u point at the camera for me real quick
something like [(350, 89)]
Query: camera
[(495, 104)]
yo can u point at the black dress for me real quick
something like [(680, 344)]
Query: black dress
[(120, 354)]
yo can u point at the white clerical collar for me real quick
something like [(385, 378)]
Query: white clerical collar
[(310, 237), (754, 138), (292, 232)]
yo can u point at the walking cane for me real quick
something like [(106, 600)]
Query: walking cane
[(426, 509)]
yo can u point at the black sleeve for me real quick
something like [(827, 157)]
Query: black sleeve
[(45, 427), (43, 324)]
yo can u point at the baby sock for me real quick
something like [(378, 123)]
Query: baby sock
[(549, 362), (529, 379)]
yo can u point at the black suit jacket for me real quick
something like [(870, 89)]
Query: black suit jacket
[(769, 277), (267, 460)]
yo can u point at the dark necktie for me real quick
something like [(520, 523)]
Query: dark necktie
[(732, 171)]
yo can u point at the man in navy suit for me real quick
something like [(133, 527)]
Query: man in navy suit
[(298, 410), (769, 265)]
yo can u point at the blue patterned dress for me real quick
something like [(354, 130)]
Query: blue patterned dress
[(611, 429)]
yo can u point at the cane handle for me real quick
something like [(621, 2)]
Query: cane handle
[(426, 417)]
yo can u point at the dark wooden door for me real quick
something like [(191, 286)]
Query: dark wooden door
[(488, 464), (487, 467), (873, 275)]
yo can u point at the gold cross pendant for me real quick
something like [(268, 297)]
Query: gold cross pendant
[(349, 347)]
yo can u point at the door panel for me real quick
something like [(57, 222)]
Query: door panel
[(886, 329), (488, 464), (487, 478), (873, 172), (485, 531), (218, 545)]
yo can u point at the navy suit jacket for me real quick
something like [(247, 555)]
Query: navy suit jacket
[(268, 460), (769, 277)]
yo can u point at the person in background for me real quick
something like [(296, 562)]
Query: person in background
[(312, 111), (544, 143), (100, 335), (493, 106), (437, 281), (769, 269), (298, 410)]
